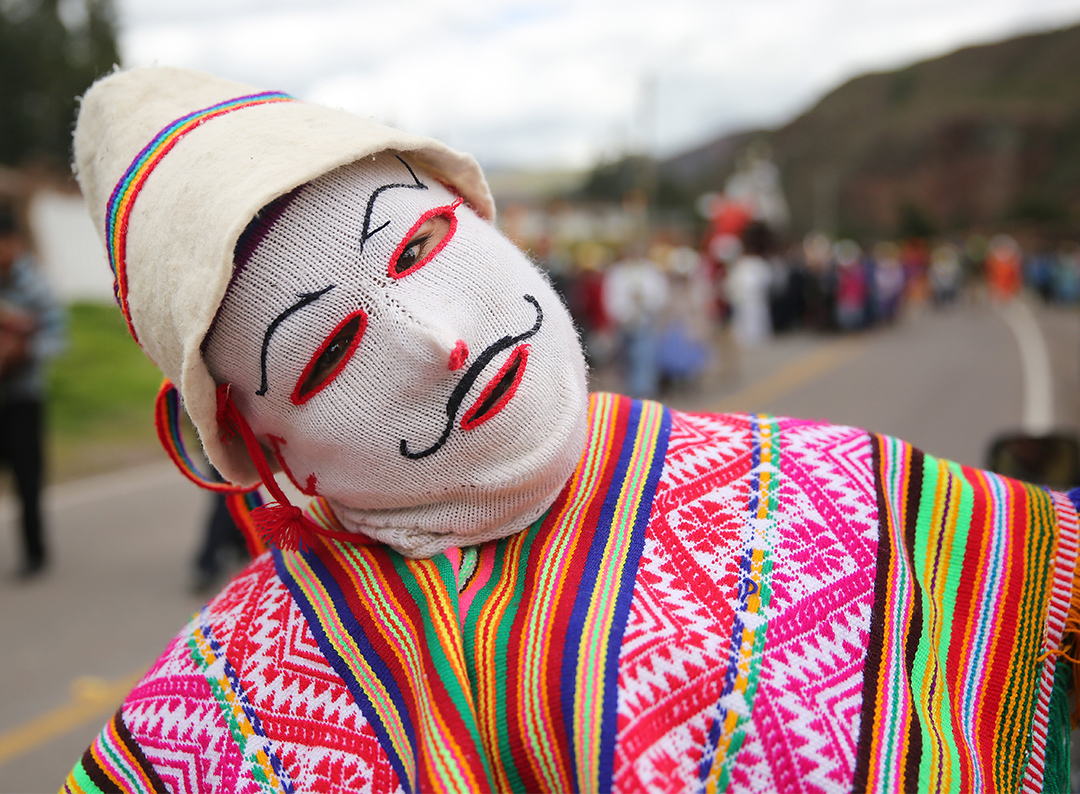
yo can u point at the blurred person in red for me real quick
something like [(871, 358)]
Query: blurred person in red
[(915, 255), (585, 299), (31, 331), (852, 289), (722, 244), (1004, 268)]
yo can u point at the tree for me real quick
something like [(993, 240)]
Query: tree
[(50, 53)]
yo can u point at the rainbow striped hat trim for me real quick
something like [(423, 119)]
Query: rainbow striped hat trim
[(122, 200)]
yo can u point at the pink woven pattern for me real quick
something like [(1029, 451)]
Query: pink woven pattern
[(175, 718), (304, 709), (811, 686), (321, 735), (805, 716), (680, 627)]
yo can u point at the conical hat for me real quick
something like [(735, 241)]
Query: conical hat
[(173, 165)]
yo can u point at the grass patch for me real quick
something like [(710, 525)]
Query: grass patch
[(101, 403)]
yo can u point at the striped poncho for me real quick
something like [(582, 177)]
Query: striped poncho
[(714, 603)]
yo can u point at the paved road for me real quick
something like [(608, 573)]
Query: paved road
[(947, 381), (116, 595)]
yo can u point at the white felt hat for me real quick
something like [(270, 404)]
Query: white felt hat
[(174, 164)]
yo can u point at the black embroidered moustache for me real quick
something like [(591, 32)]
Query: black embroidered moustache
[(453, 405)]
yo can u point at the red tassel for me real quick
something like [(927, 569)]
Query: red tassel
[(226, 424), (283, 526)]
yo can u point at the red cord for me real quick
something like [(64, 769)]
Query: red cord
[(281, 523)]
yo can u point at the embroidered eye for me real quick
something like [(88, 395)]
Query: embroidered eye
[(331, 357), (427, 237)]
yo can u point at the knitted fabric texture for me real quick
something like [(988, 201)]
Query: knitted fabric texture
[(714, 603), (402, 359), (173, 164)]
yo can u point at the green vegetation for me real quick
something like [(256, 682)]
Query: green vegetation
[(50, 53), (101, 406)]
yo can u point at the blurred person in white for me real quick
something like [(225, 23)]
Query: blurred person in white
[(635, 294), (502, 582), (31, 332), (747, 287), (686, 324)]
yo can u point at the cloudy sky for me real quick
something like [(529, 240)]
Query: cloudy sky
[(560, 84)]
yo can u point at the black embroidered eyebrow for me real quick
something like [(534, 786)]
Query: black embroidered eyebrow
[(305, 299), (365, 234)]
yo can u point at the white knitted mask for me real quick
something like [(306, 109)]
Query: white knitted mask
[(344, 337)]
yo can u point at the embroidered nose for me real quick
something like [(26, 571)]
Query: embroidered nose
[(458, 356)]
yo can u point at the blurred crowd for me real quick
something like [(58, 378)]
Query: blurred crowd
[(662, 314), (660, 306)]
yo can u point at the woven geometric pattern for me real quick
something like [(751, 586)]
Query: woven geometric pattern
[(805, 714), (313, 727)]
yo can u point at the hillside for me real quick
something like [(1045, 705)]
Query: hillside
[(986, 137)]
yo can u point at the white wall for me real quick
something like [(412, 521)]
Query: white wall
[(69, 248)]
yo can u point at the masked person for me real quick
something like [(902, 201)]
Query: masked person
[(503, 582)]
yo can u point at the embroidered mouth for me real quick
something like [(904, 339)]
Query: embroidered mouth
[(496, 393), (499, 390)]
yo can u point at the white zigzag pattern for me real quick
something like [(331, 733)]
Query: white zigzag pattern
[(812, 686), (802, 676), (653, 674), (666, 766), (187, 736), (827, 530), (276, 642), (752, 772), (839, 461), (179, 770), (283, 681), (647, 623), (670, 666), (179, 732), (188, 739), (699, 445), (697, 629)]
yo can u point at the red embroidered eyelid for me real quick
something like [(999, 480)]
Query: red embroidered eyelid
[(519, 358), (447, 210), (298, 397)]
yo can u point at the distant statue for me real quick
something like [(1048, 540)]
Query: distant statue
[(756, 185)]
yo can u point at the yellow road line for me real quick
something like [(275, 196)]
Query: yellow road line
[(90, 697), (784, 381)]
